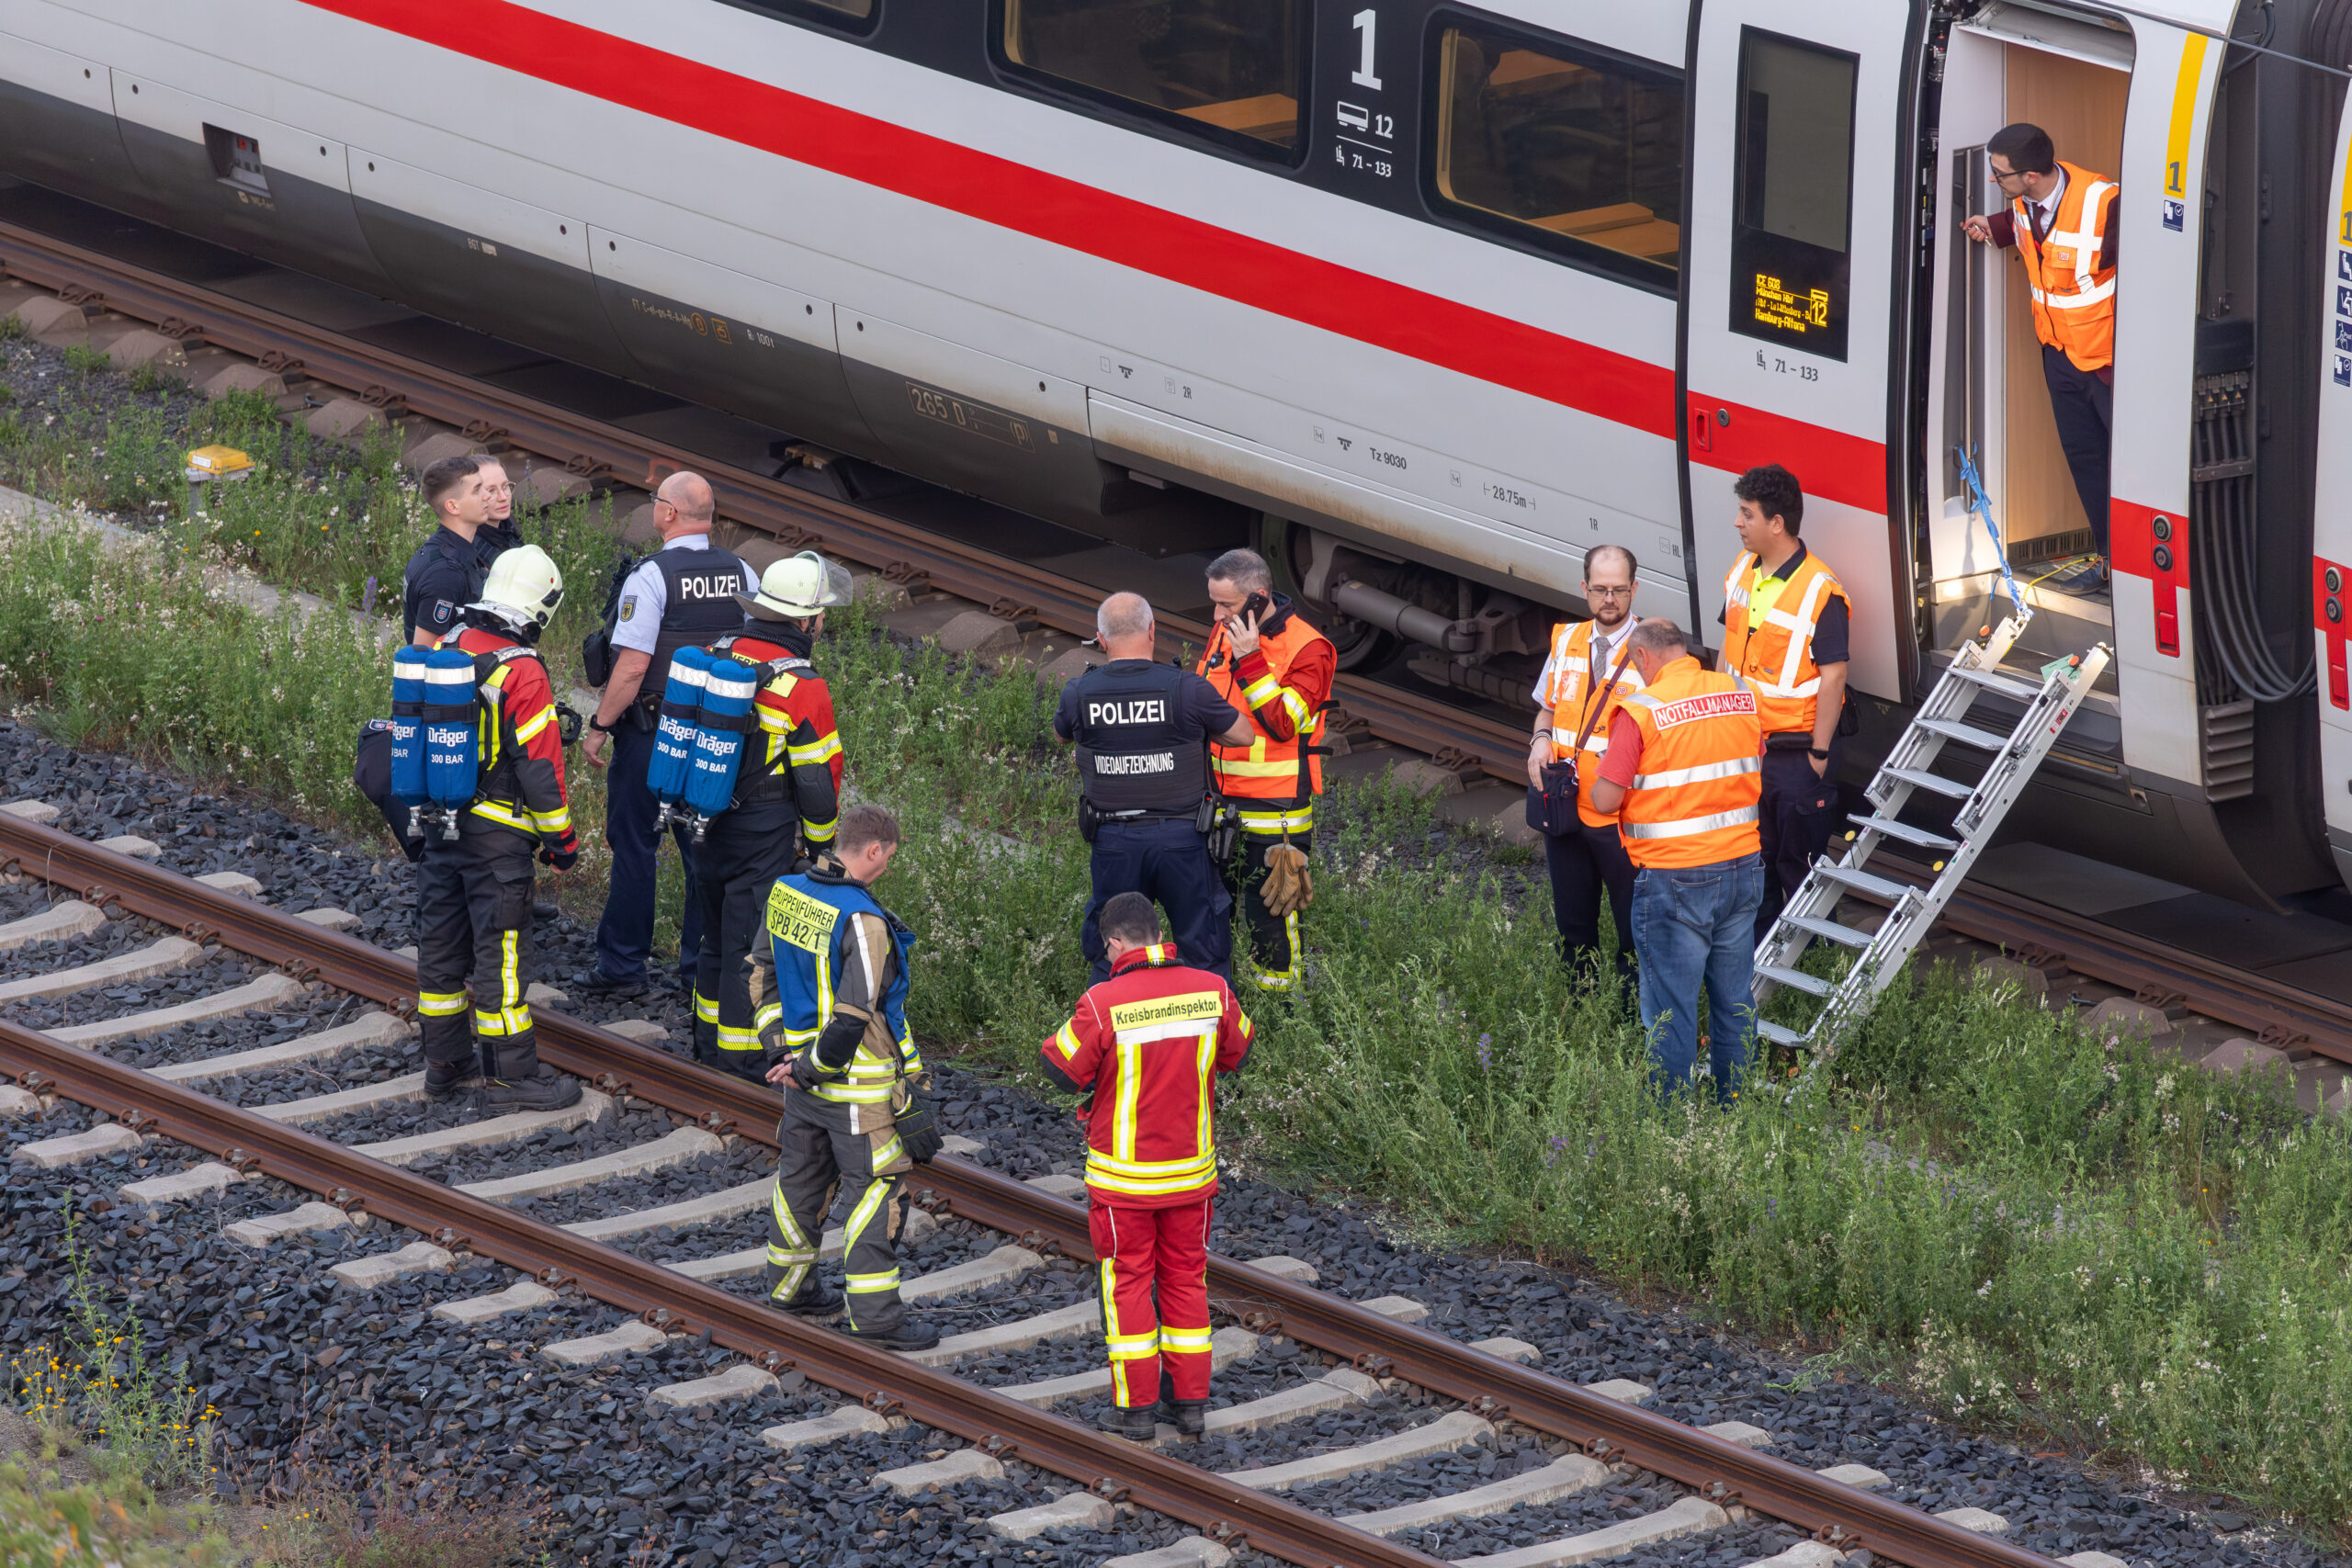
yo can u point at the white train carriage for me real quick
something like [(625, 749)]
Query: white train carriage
[(1429, 298)]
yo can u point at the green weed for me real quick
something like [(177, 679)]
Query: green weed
[(87, 359)]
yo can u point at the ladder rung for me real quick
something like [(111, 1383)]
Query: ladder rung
[(1813, 985), (1907, 833), (1830, 930), (1992, 681), (1934, 783), (1778, 1034), (1863, 882), (1966, 734)]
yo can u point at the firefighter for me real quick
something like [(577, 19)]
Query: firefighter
[(786, 797), (830, 986), (1142, 730), (1786, 621), (473, 893), (1683, 773), (1581, 686), (1265, 659), (1142, 1047)]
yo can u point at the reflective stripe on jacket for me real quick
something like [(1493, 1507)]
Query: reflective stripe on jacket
[(1696, 800), (519, 742), (1768, 636), (1275, 765), (830, 950), (801, 755), (1147, 1043), (2071, 281), (1574, 683)]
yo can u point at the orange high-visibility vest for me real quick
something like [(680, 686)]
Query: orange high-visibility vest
[(1266, 769), (2072, 280), (1573, 685), (1698, 796), (1768, 636)]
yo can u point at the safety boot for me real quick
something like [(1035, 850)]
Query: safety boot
[(1189, 1416), (446, 1080), (1137, 1424), (812, 1299), (524, 1083), (904, 1335)]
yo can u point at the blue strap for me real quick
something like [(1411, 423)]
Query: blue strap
[(1980, 506)]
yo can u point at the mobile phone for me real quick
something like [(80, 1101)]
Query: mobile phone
[(1255, 607)]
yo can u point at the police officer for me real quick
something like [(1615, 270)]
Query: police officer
[(474, 891), (829, 982), (499, 532), (445, 573), (1266, 661), (1142, 730), (682, 596), (786, 797)]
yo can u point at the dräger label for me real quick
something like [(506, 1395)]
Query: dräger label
[(1196, 1007), (1141, 710), (1142, 763), (1707, 705)]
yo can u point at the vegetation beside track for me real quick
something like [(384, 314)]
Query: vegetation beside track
[(2033, 1227)]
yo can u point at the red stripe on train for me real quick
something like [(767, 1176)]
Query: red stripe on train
[(1830, 464)]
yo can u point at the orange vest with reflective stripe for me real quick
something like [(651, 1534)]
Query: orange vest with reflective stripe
[(2072, 280), (1774, 652), (1266, 769), (1573, 684), (1697, 798)]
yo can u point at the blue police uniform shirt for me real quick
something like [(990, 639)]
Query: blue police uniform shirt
[(444, 577), (1200, 712)]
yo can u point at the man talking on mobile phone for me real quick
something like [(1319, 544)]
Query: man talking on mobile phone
[(1267, 661)]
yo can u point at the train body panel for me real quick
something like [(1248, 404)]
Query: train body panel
[(1020, 289), (2331, 589)]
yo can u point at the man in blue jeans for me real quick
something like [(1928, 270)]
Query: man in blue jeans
[(1684, 774)]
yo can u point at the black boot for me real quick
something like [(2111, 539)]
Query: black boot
[(446, 1080), (904, 1335), (523, 1083), (1189, 1416), (812, 1299), (1137, 1424)]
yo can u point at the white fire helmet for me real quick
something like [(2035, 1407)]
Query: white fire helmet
[(797, 587), (524, 588)]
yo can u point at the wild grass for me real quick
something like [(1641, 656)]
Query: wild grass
[(2030, 1227)]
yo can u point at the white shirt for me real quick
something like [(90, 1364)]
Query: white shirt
[(2048, 205), (645, 595), (1603, 657)]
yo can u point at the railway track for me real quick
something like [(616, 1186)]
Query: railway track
[(2298, 1022), (1370, 1361)]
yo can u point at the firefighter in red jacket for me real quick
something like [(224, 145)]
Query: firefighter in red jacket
[(473, 892), (1142, 1047)]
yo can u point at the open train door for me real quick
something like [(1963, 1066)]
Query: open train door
[(2332, 511), (1795, 244)]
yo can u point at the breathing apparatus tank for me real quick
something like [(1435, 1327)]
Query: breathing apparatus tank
[(452, 742), (408, 728), (728, 687), (674, 735)]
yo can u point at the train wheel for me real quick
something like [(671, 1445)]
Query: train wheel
[(1284, 545)]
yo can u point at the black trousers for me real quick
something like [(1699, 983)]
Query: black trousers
[(2083, 408), (1800, 812), (742, 853), (473, 936), (1167, 863), (625, 934), (1587, 866)]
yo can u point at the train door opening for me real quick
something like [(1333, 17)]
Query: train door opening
[(1990, 400)]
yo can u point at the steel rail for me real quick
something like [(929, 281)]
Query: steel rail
[(1000, 1426), (1724, 1471), (794, 516)]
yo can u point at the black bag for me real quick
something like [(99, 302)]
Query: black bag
[(1552, 810), (371, 774), (597, 647), (918, 1126)]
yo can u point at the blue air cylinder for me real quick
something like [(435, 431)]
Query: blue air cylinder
[(452, 751), (408, 725), (673, 738), (728, 691)]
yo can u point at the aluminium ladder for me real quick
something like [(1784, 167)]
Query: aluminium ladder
[(1940, 721)]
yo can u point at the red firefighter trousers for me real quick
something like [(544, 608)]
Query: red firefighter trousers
[(1155, 1266)]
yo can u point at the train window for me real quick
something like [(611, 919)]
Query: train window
[(1792, 204), (1232, 71), (857, 14), (1550, 141)]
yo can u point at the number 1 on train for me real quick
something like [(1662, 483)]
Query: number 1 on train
[(1367, 22)]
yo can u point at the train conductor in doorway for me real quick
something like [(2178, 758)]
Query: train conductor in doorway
[(1142, 730), (2060, 220), (1586, 678), (684, 596), (1266, 661), (1786, 622)]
